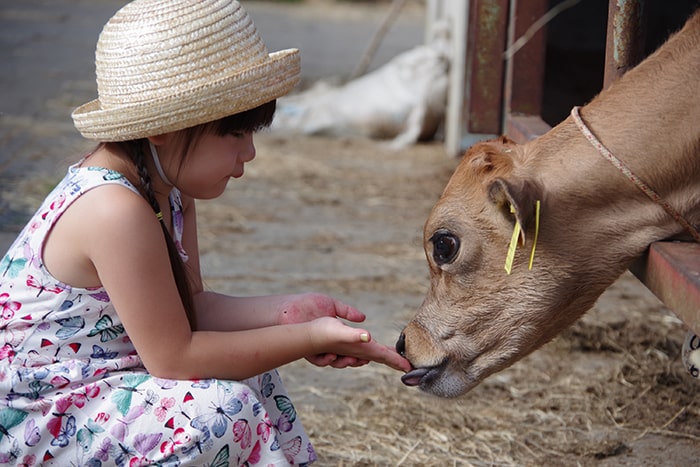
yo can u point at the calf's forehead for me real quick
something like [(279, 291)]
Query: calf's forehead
[(464, 208), (453, 214)]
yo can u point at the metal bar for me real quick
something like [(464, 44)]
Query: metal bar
[(524, 94), (488, 20), (671, 271), (625, 38), (522, 97), (523, 128), (458, 10)]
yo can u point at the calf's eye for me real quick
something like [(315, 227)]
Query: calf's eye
[(445, 247)]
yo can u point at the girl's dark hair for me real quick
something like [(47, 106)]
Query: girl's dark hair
[(248, 121)]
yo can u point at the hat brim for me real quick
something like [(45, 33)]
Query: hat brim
[(238, 92)]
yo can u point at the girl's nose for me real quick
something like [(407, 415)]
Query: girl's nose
[(249, 153)]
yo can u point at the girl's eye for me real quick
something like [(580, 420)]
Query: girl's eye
[(445, 247), (238, 134)]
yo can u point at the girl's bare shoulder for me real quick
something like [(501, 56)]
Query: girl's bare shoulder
[(108, 218)]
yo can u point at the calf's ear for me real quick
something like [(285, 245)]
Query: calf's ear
[(521, 194)]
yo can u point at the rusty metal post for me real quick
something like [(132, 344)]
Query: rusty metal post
[(486, 42), (625, 38), (525, 70)]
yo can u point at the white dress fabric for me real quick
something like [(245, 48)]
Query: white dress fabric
[(73, 390)]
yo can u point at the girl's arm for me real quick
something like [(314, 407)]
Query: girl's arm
[(221, 312), (126, 246)]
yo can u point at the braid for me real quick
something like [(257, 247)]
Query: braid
[(137, 155), (138, 158)]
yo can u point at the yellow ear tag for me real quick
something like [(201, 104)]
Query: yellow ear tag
[(516, 235), (537, 232), (513, 244)]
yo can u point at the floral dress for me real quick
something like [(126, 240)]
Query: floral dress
[(73, 390)]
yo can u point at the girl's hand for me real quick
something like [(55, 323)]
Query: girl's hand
[(341, 346), (307, 307), (312, 306)]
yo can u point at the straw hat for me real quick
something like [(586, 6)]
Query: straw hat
[(167, 65)]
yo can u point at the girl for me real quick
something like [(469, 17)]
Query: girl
[(112, 352)]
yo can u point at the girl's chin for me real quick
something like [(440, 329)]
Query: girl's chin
[(214, 191)]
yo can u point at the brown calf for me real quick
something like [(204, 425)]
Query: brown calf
[(477, 319)]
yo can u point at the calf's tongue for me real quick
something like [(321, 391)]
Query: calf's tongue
[(414, 377)]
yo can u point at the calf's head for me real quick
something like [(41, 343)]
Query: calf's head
[(477, 318)]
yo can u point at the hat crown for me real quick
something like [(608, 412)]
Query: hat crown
[(152, 49)]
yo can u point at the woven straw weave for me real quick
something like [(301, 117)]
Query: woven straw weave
[(163, 66)]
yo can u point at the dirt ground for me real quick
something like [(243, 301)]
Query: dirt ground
[(344, 217)]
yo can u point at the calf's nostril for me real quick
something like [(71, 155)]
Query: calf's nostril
[(401, 345)]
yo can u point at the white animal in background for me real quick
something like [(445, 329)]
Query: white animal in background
[(404, 100)]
